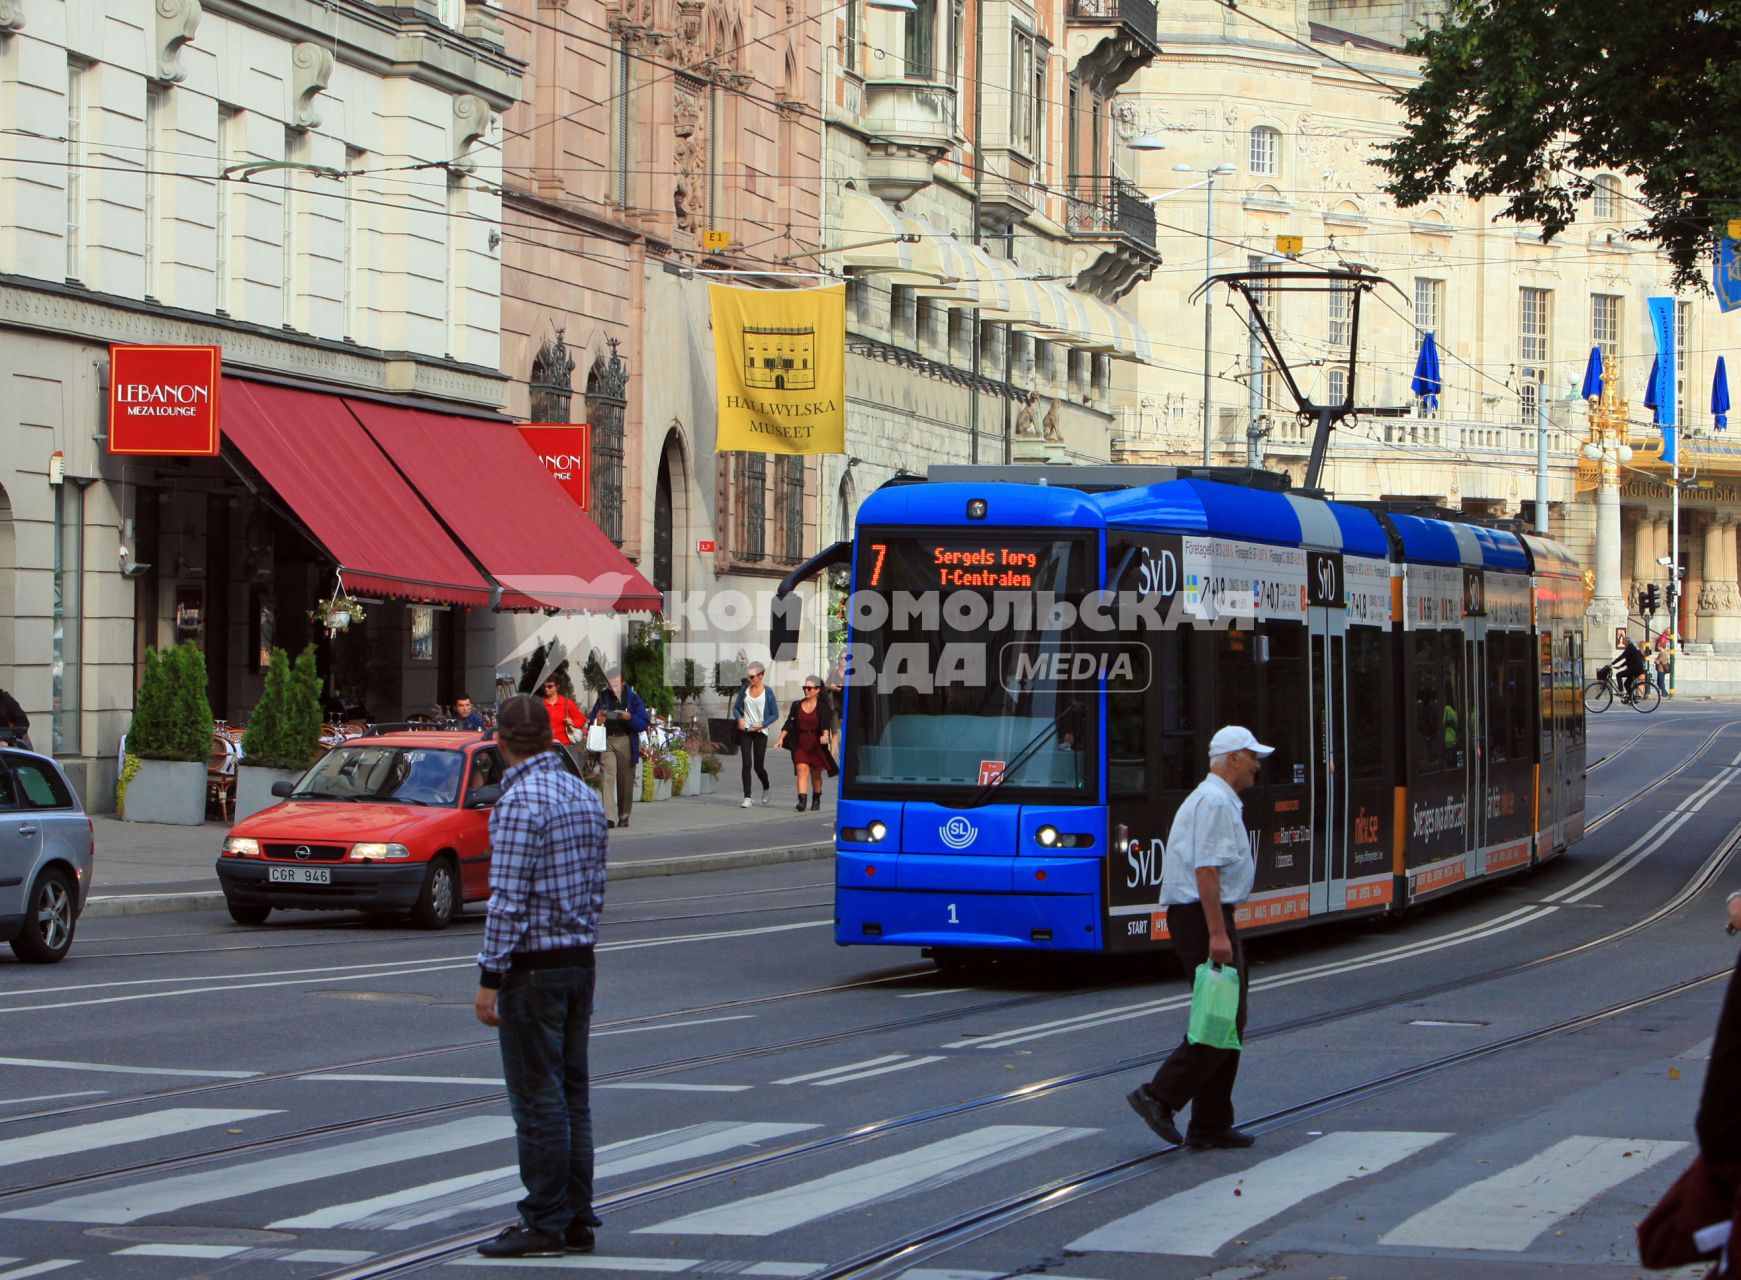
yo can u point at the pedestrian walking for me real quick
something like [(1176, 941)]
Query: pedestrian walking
[(547, 881), (620, 710), (564, 712), (1719, 1119), (13, 722), (1661, 662), (809, 735), (1206, 871), (465, 715), (755, 709)]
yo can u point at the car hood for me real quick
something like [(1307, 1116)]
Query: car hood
[(341, 821)]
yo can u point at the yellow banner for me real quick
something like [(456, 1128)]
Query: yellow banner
[(780, 359)]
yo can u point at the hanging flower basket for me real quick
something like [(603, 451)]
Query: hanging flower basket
[(337, 613)]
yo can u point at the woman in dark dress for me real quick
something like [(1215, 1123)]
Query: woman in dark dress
[(809, 734)]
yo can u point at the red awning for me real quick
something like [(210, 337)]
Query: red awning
[(340, 485), (512, 514)]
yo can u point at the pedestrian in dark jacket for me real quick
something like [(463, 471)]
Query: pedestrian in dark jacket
[(620, 710), (1719, 1122), (809, 735), (13, 719)]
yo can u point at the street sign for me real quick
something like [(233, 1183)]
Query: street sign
[(706, 546), (1290, 246), (714, 240)]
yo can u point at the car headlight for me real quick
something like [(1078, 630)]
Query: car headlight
[(375, 852), (241, 847)]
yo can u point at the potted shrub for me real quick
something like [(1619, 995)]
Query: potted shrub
[(171, 734), (283, 735), (337, 612), (662, 775), (710, 767), (685, 777)]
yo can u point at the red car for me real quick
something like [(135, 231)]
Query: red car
[(391, 821)]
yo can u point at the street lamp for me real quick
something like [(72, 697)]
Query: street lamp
[(1607, 448), (1218, 171)]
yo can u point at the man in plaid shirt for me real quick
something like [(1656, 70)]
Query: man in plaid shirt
[(547, 880)]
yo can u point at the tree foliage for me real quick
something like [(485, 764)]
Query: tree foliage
[(172, 720), (533, 666), (284, 730), (1531, 102), (644, 672)]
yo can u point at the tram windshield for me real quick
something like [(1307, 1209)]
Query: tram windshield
[(958, 664)]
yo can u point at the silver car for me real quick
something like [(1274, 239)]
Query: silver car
[(46, 847)]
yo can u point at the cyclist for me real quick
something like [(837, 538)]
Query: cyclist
[(1632, 668)]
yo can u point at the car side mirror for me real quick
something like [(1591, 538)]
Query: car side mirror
[(483, 797), (283, 788)]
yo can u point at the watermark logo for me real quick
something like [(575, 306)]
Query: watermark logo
[(958, 832)]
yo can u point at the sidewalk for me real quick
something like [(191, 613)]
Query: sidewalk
[(143, 868)]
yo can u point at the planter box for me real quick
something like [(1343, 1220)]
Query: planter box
[(692, 783), (661, 788), (709, 783), (723, 730), (170, 791), (254, 788)]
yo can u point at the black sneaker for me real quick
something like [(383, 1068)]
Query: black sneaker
[(521, 1242), (578, 1237), (1219, 1139), (1155, 1113)]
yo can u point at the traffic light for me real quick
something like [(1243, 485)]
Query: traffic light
[(1650, 600)]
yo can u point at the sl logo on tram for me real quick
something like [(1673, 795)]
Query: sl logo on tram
[(958, 833)]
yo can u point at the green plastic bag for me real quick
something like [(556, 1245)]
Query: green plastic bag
[(1215, 1007)]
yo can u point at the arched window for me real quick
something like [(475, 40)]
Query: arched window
[(607, 387), (552, 381), (789, 491), (1607, 198), (1266, 151)]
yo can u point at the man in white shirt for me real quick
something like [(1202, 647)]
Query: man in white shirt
[(1206, 871)]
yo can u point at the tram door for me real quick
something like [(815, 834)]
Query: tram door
[(1475, 721), (1328, 661)]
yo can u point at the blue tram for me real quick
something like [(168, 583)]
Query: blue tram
[(1037, 660)]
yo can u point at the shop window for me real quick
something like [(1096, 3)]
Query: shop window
[(606, 397)]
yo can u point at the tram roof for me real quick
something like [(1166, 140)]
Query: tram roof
[(1428, 540)]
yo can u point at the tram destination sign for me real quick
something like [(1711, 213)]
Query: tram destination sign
[(960, 564)]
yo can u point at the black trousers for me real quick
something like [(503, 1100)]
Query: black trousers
[(1196, 1074), (753, 747)]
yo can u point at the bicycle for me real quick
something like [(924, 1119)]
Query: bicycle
[(1600, 693)]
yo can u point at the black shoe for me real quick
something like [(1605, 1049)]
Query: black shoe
[(815, 803), (578, 1238), (1219, 1139), (623, 821), (802, 803), (611, 825), (1155, 1113), (521, 1242)]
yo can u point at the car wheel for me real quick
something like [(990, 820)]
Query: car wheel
[(440, 896), (49, 920), (247, 915)]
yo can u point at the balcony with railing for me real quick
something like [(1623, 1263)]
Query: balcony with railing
[(1111, 40), (1115, 218)]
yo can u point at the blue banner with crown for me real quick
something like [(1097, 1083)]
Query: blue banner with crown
[(1727, 276)]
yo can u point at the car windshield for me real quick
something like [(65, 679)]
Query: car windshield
[(396, 775)]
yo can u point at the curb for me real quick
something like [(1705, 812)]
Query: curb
[(111, 906)]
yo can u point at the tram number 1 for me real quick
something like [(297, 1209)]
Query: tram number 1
[(953, 918)]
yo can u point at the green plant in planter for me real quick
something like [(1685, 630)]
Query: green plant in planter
[(644, 672), (172, 720), (687, 682), (710, 764), (647, 780), (534, 665), (284, 730), (129, 770), (680, 766), (592, 675)]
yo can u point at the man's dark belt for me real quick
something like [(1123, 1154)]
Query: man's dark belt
[(526, 961), (618, 731)]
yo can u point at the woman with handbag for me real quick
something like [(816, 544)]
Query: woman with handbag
[(566, 722), (809, 734), (622, 717)]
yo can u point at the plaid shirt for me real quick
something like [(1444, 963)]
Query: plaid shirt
[(547, 865)]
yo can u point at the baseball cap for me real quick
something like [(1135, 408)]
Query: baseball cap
[(1236, 737), (524, 724)]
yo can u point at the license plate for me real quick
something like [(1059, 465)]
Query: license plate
[(299, 875)]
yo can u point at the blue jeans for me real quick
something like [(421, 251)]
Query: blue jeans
[(546, 1014)]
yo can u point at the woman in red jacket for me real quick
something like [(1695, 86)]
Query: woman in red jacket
[(565, 716)]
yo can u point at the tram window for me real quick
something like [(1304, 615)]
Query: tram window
[(1455, 713), (1366, 741), (1176, 678), (1228, 660), (1426, 716), (1500, 712), (1127, 750), (1287, 704)]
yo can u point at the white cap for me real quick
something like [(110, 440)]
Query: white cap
[(1235, 737)]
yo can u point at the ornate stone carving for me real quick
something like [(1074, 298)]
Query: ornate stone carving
[(1049, 424), (177, 20), (310, 73), (11, 17), (689, 157), (1025, 424), (471, 121), (1720, 597)]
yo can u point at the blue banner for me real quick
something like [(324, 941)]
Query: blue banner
[(1726, 279), (1662, 326)]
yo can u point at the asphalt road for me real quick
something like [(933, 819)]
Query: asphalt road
[(187, 1098)]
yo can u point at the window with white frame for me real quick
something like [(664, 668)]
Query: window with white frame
[(451, 13), (1528, 401), (1341, 311), (1266, 149), (1533, 318), (1605, 326), (356, 161), (77, 75), (1429, 304), (295, 150), (1338, 386), (232, 146), (920, 49), (1606, 198), (1024, 103), (155, 99)]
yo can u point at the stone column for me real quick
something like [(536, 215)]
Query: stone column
[(1608, 609), (1720, 598), (1695, 579)]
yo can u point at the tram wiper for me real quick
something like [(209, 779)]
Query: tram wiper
[(985, 793)]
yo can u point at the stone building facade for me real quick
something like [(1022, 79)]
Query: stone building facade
[(1298, 116)]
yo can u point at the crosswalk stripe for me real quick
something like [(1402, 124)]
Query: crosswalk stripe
[(1509, 1210), (883, 1071), (245, 1253), (115, 1133), (38, 1268), (491, 1188), (926, 1169), (117, 1205), (114, 1069), (655, 1266), (1197, 1222), (808, 1076)]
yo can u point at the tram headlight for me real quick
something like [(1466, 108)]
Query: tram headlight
[(976, 508), (872, 834), (1047, 836)]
